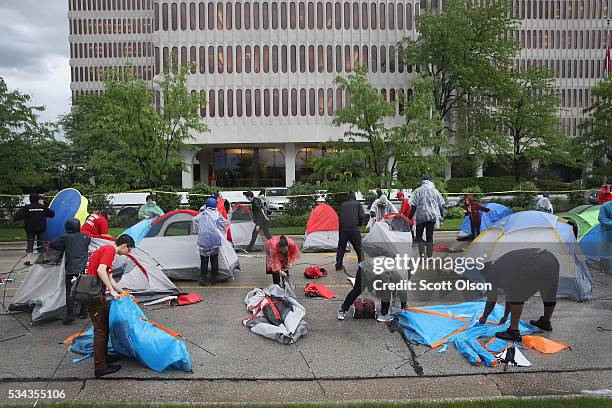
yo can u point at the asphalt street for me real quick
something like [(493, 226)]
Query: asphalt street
[(333, 355)]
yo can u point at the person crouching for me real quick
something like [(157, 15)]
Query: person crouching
[(281, 252), (209, 224)]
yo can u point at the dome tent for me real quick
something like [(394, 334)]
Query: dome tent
[(68, 203), (43, 292), (321, 230), (169, 239), (496, 213), (389, 237), (242, 228), (583, 217), (534, 229)]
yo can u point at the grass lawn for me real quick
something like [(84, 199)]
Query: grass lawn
[(580, 402)]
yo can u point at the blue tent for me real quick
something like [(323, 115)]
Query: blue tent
[(456, 324), (497, 212), (68, 203), (597, 243), (133, 335)]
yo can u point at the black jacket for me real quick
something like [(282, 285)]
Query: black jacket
[(75, 245), (257, 209), (351, 215), (35, 217)]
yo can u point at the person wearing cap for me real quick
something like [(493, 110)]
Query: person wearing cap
[(544, 204), (209, 224), (427, 208), (472, 210), (259, 218), (405, 211), (34, 216)]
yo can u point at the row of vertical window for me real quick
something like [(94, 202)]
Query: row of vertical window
[(579, 69), (103, 5), (110, 26), (562, 39), (111, 50), (95, 74), (292, 15), (576, 98), (560, 9), (282, 58), (282, 102)]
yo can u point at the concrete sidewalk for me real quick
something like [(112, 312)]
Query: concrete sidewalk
[(478, 386)]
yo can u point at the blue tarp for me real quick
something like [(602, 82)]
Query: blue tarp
[(132, 335), (456, 324), (497, 212)]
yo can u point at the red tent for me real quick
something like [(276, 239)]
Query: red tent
[(322, 218)]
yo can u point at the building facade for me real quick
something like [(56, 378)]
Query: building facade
[(267, 68)]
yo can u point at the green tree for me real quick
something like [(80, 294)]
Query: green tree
[(465, 50), (304, 204), (527, 115), (596, 137), (24, 161), (372, 153), (123, 141)]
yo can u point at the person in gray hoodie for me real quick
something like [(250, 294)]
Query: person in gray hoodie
[(427, 208), (75, 246)]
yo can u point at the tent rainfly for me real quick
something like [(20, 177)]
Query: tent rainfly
[(321, 230)]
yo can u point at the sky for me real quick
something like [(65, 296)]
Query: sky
[(34, 52)]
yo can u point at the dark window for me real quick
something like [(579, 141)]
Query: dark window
[(164, 17), (229, 60), (265, 16), (365, 56), (192, 16), (302, 15), (247, 16), (321, 101), (266, 102), (338, 15), (238, 59), (248, 107), (311, 15), (256, 59), (347, 58), (220, 60), (373, 16), (219, 17), (409, 16), (320, 16), (221, 103), (364, 16), (275, 102), (284, 102), (294, 102), (211, 60), (330, 59), (400, 16), (283, 12), (347, 16), (211, 103), (330, 102), (247, 59), (302, 58), (356, 15), (174, 15), (266, 58), (193, 59), (303, 102), (256, 19), (274, 16), (320, 61), (257, 103), (311, 58), (338, 58), (293, 58), (329, 18), (211, 16), (382, 16), (374, 53), (183, 16), (391, 59), (284, 58), (202, 60), (202, 16), (292, 15), (156, 16), (391, 16), (228, 19), (230, 102), (239, 102), (238, 16)]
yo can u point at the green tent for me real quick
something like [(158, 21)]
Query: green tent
[(583, 216)]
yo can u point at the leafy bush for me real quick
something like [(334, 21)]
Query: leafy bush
[(454, 213), (99, 202), (122, 221), (168, 201), (525, 199), (286, 220), (578, 197), (486, 184), (369, 198), (301, 205), (336, 192), (517, 209), (198, 194), (474, 191), (9, 206)]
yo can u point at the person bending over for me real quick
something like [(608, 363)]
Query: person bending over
[(281, 252)]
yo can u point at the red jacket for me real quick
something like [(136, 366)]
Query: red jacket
[(275, 260), (405, 210), (474, 208), (605, 194)]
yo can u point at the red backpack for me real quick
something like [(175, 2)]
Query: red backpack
[(364, 309), (314, 272)]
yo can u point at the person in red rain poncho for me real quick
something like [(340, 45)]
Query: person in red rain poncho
[(605, 194), (405, 210), (281, 252), (223, 206), (472, 210)]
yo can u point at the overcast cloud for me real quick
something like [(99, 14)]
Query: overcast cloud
[(34, 52)]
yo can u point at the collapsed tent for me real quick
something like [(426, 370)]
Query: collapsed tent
[(170, 240), (275, 314), (321, 230), (456, 324), (533, 229), (133, 335), (389, 237), (43, 291), (242, 227), (496, 213), (584, 218), (68, 203)]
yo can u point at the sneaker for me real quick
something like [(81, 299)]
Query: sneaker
[(384, 318), (541, 324), (113, 358), (106, 371), (202, 282), (510, 335), (68, 320), (341, 314)]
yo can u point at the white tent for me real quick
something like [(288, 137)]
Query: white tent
[(43, 291), (386, 238), (321, 230)]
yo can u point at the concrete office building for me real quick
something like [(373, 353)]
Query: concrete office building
[(267, 67)]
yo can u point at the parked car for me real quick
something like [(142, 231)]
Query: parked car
[(274, 199)]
